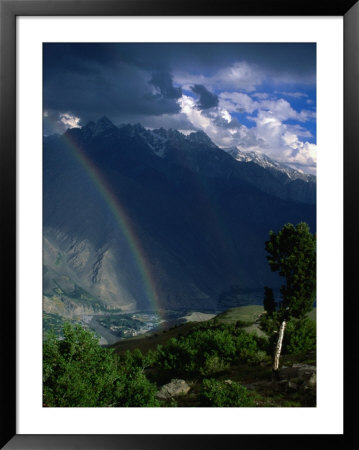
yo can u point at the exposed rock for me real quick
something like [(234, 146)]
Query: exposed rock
[(292, 386), (312, 380), (286, 373), (260, 383), (310, 383), (304, 370), (174, 388), (299, 376), (297, 370)]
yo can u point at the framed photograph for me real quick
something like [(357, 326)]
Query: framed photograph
[(173, 197)]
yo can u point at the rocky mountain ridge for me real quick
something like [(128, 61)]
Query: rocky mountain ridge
[(268, 163), (137, 218)]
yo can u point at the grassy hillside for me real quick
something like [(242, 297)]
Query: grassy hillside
[(245, 314), (149, 341), (313, 314), (248, 315)]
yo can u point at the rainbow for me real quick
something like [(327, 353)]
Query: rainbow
[(122, 220)]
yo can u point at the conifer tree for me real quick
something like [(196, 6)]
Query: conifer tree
[(268, 301), (292, 253)]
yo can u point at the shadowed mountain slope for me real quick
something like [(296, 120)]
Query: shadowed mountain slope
[(137, 219)]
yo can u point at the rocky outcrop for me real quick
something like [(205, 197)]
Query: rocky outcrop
[(298, 377), (173, 389)]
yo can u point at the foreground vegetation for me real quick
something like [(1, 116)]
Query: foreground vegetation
[(231, 360), (77, 371), (223, 364)]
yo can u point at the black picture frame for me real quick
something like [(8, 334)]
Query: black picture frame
[(9, 10)]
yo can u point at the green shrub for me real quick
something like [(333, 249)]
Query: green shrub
[(259, 357), (217, 341), (135, 390), (299, 336), (177, 357), (207, 349), (78, 372), (246, 346), (213, 364), (225, 394)]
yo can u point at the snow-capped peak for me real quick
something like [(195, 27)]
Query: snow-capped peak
[(268, 163), (157, 140)]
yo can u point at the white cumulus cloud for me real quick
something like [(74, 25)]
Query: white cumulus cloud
[(238, 102), (69, 120), (281, 142), (269, 134)]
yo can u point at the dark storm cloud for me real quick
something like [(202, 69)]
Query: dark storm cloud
[(206, 98), (77, 58), (109, 93), (164, 83), (133, 81), (295, 59), (93, 80)]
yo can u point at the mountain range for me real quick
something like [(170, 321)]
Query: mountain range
[(154, 219), (268, 163)]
